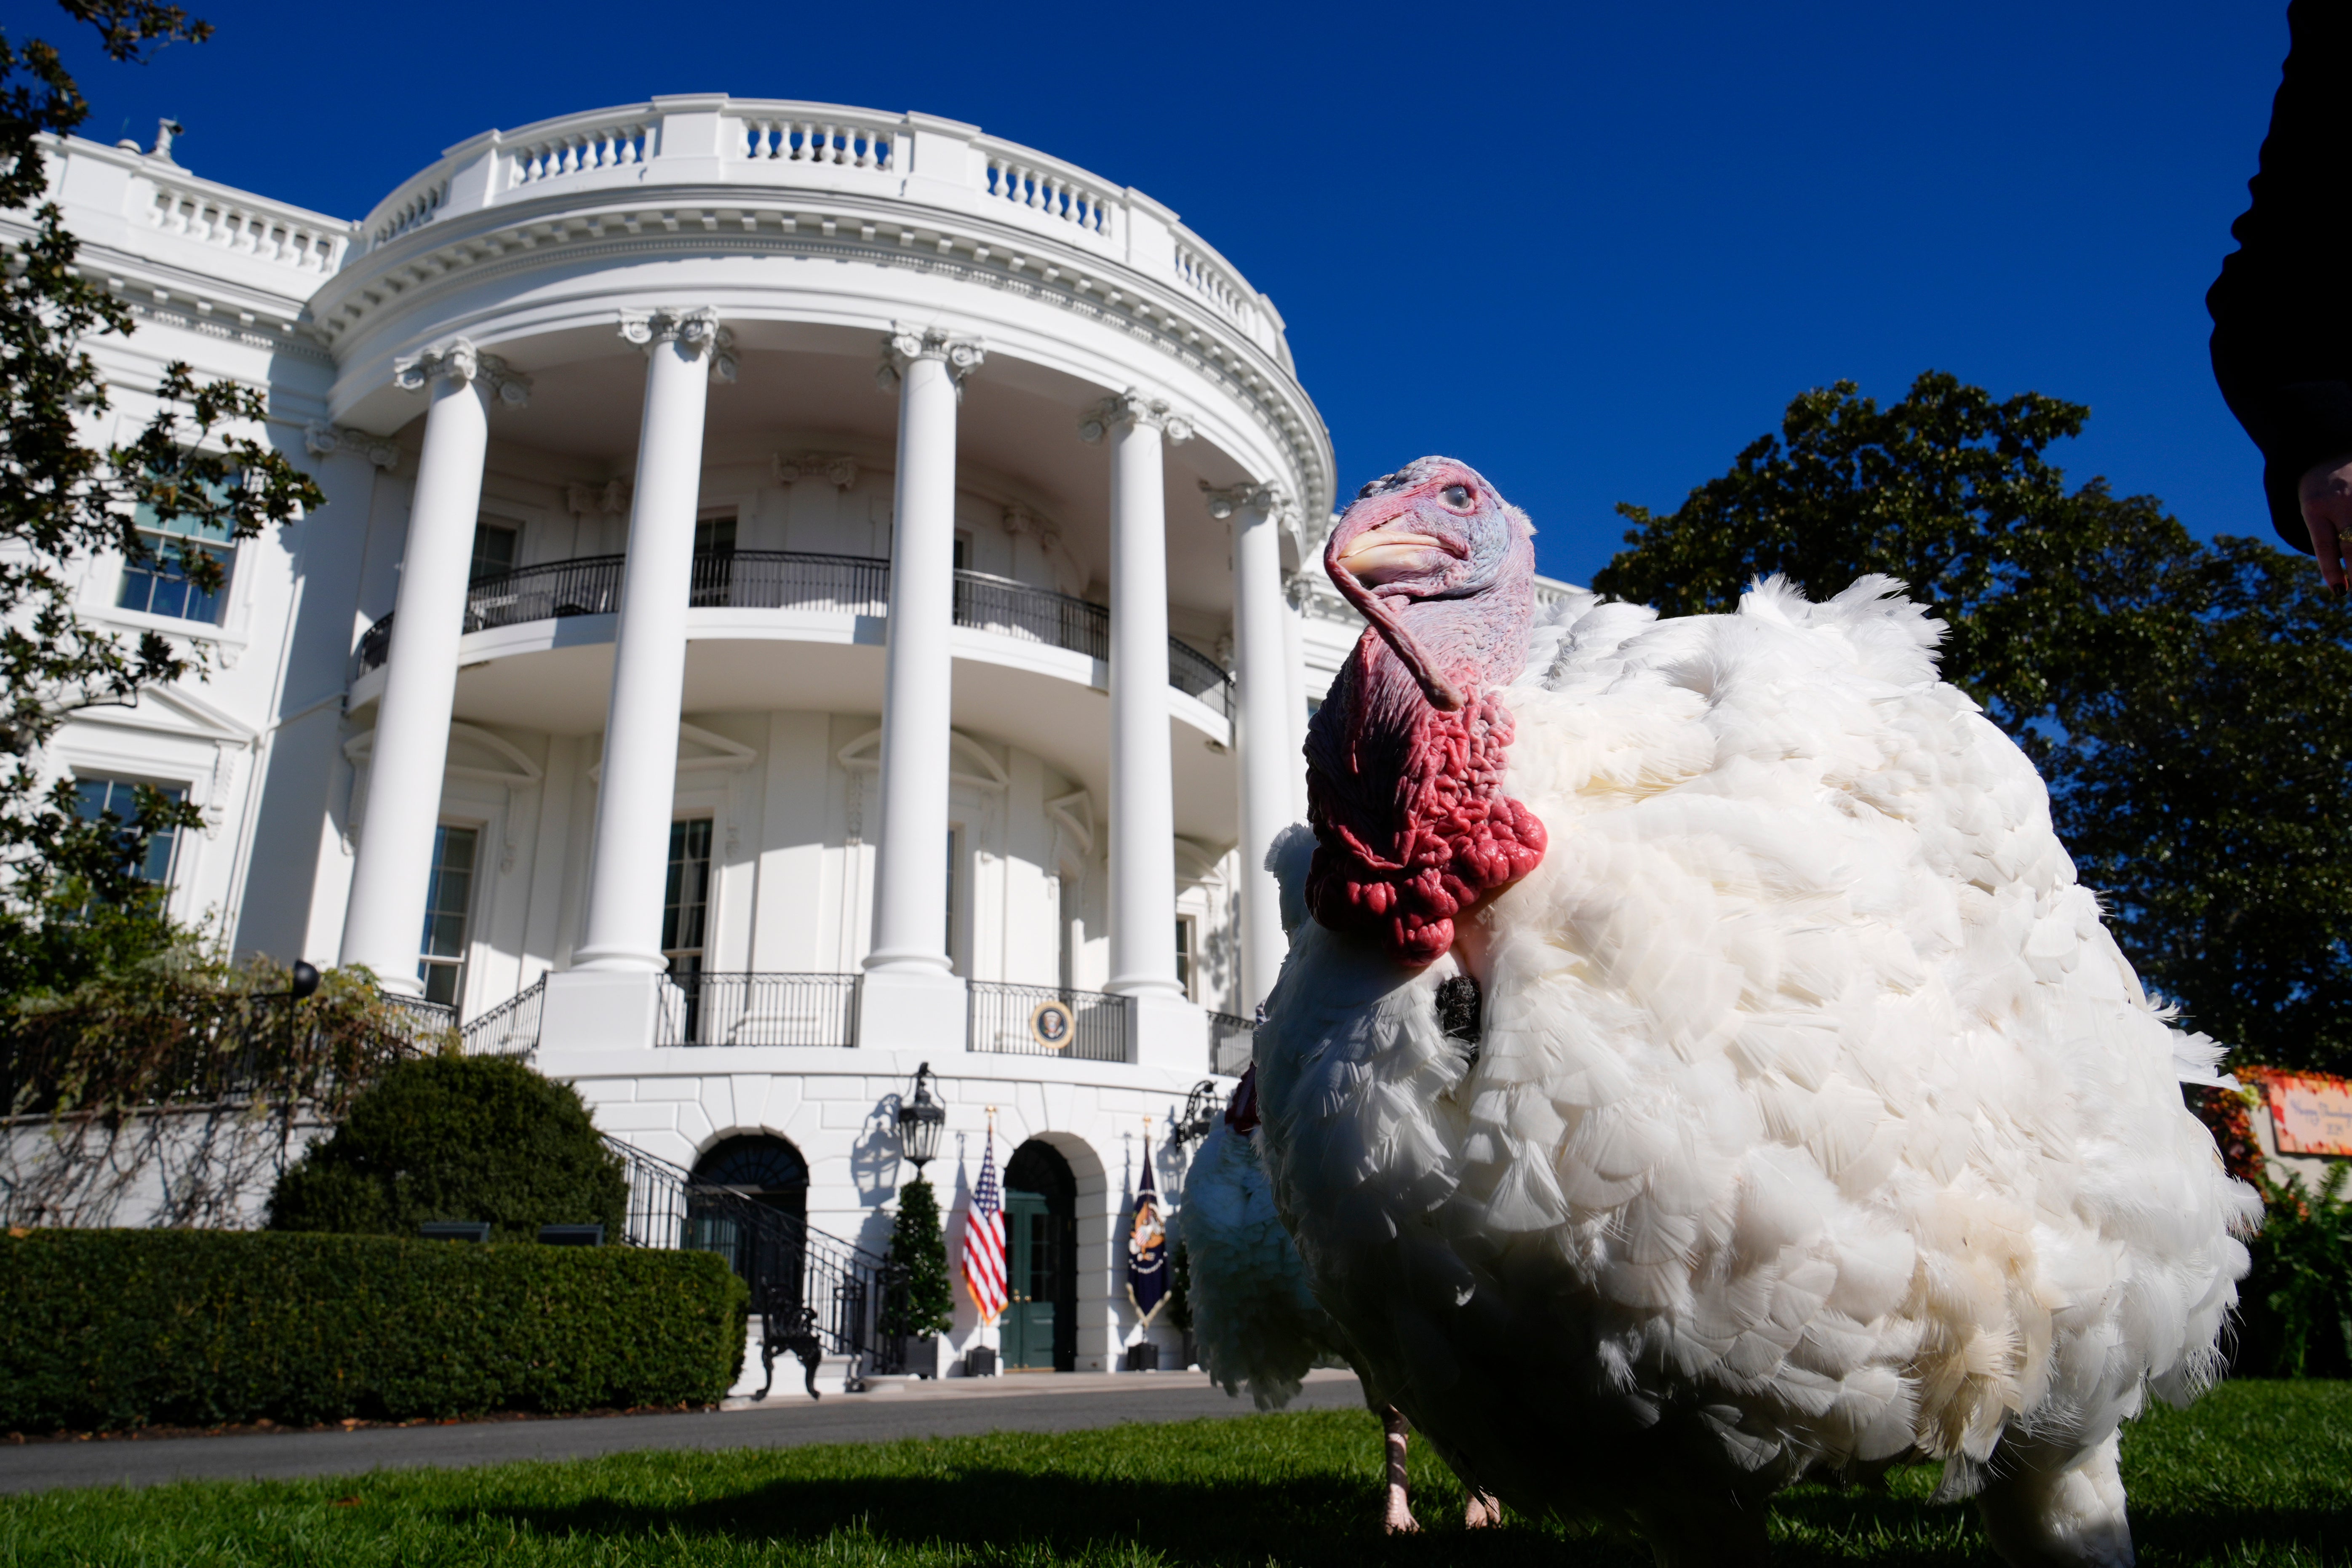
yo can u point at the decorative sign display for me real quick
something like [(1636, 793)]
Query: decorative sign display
[(2310, 1113), (1052, 1025)]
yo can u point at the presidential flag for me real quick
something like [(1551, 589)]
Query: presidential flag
[(983, 1241), (1147, 1247)]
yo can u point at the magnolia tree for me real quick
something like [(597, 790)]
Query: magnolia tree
[(71, 899), (2184, 698)]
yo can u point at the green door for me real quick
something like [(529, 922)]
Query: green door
[(1028, 1337)]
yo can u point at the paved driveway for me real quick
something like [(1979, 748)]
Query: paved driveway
[(953, 1407)]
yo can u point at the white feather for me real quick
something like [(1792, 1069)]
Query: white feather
[(1254, 1317), (1817, 1119)]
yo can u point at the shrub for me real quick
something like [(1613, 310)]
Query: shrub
[(464, 1138), (2297, 1302), (107, 1329), (922, 1302)]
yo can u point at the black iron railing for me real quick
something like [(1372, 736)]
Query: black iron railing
[(1014, 609), (424, 1026), (1230, 1043), (732, 1009), (1195, 674), (508, 1029), (790, 580), (797, 580), (1044, 1021), (801, 1277)]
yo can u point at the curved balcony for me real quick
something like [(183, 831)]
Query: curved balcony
[(792, 580)]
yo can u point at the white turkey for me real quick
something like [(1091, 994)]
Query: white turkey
[(1812, 1123), (1254, 1315)]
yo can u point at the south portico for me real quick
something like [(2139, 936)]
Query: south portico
[(612, 991)]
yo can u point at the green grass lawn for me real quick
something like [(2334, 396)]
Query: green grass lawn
[(2256, 1473)]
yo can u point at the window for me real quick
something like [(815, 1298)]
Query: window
[(96, 798), (447, 898), (714, 560), (497, 546), (686, 899), (159, 585), (1184, 952), (714, 533), (964, 551)]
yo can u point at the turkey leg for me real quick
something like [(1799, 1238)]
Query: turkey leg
[(1395, 1429)]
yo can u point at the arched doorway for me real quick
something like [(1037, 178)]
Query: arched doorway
[(1041, 1245), (738, 1183)]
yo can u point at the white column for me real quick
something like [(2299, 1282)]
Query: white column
[(384, 924), (910, 997), (1142, 796), (612, 993), (1262, 722)]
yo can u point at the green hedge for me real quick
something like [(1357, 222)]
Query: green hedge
[(108, 1329), (475, 1138)]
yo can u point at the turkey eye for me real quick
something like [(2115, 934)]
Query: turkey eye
[(1457, 497)]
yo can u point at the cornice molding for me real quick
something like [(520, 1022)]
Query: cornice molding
[(1157, 313), (837, 468), (324, 440)]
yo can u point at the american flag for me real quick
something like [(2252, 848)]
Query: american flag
[(983, 1242)]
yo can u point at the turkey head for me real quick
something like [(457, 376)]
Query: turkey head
[(1404, 759)]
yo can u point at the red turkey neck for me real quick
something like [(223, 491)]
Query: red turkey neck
[(1412, 826)]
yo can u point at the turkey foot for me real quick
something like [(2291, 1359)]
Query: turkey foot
[(1482, 1509), (1398, 1520)]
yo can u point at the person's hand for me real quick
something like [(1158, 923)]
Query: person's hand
[(2325, 492)]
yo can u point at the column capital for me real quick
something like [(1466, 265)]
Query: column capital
[(1249, 495), (324, 440), (904, 344), (459, 360), (697, 327), (1132, 407)]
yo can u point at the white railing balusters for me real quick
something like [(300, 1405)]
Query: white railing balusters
[(243, 231), (573, 150), (1051, 193), (788, 139)]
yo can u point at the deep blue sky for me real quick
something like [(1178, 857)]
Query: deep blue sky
[(1592, 249)]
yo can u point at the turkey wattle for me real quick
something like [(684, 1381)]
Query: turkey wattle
[(1814, 1123)]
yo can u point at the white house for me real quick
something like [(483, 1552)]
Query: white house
[(802, 593)]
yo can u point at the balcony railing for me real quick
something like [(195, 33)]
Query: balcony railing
[(1232, 1041), (794, 580), (743, 1009), (1042, 1021)]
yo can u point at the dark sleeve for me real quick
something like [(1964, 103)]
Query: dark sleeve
[(2282, 306)]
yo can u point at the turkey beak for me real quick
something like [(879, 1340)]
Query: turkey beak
[(1384, 554)]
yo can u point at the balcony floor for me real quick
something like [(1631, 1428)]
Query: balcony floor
[(554, 677)]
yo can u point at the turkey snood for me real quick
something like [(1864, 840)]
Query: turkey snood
[(1404, 759)]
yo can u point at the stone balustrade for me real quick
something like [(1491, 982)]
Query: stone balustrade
[(196, 210), (710, 143)]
